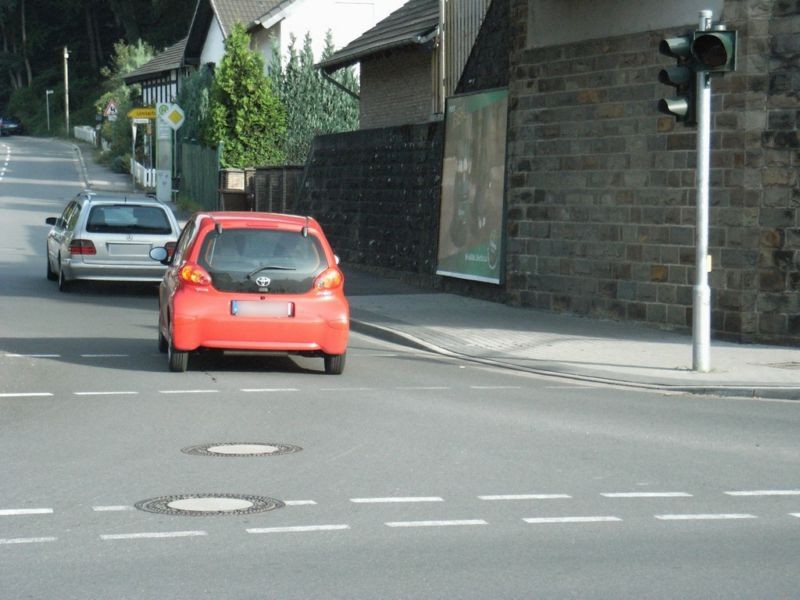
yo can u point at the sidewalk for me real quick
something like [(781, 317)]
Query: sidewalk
[(567, 346), (574, 348)]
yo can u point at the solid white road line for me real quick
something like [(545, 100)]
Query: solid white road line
[(299, 502), (27, 395), (355, 389), (795, 515), (421, 388), (13, 512), (526, 497), (765, 493), (705, 517), (647, 495), (548, 520), (299, 529), (268, 390), (120, 508), (152, 535), (455, 523), (34, 540), (398, 499)]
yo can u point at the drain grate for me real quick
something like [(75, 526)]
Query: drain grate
[(203, 505), (241, 449)]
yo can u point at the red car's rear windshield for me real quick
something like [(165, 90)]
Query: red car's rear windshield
[(262, 260)]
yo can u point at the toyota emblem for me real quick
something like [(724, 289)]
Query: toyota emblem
[(263, 282)]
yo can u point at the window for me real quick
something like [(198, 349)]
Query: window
[(128, 218)]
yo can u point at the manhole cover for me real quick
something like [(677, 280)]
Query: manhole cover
[(199, 505), (241, 449)]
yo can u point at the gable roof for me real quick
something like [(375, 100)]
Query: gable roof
[(227, 13), (408, 25), (169, 59)]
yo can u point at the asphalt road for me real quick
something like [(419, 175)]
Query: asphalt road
[(412, 475)]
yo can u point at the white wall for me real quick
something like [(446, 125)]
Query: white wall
[(555, 22), (346, 19), (214, 46)]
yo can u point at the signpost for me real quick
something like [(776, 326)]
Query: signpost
[(169, 118)]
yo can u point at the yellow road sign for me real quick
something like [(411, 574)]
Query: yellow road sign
[(145, 112)]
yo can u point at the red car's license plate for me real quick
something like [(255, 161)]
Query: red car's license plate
[(261, 308)]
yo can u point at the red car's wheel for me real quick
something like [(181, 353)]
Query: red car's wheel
[(334, 364)]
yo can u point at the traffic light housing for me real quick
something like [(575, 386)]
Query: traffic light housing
[(681, 77), (714, 51)]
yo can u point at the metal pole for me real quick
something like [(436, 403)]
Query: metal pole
[(701, 315), (47, 103), (66, 89)]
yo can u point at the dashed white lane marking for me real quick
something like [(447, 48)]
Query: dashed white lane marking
[(152, 535), (33, 540), (105, 393), (795, 515), (299, 503), (298, 529), (26, 395), (33, 356), (118, 508), (268, 390), (554, 520), (188, 391), (13, 512), (526, 497), (495, 387), (647, 495), (453, 523), (422, 388), (355, 389), (765, 493), (396, 499), (706, 517), (105, 355)]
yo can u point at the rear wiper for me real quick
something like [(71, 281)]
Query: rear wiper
[(270, 268)]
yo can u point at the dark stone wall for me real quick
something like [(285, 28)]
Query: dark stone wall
[(376, 194)]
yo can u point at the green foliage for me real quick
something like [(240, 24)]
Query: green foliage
[(245, 115), (126, 58), (313, 105), (194, 98)]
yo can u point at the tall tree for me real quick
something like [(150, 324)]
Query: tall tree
[(245, 114), (313, 106)]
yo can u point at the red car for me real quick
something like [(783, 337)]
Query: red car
[(252, 281)]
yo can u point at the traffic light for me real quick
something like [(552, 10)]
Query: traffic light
[(681, 77), (714, 51)]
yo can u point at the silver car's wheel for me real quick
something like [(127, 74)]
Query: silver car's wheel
[(63, 283), (334, 363), (51, 275)]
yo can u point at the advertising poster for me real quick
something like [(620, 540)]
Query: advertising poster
[(471, 226)]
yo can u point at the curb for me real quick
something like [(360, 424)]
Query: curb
[(791, 394)]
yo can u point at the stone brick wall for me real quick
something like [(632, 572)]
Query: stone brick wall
[(396, 88), (601, 200), (376, 194)]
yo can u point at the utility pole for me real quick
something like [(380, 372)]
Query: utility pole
[(66, 88)]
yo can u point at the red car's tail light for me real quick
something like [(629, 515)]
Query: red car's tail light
[(170, 247), (195, 275), (329, 279), (82, 247)]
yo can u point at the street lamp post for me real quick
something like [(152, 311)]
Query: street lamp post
[(66, 88), (47, 95)]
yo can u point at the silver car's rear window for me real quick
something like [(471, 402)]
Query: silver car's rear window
[(128, 218)]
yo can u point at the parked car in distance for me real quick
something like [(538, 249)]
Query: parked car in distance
[(251, 281), (108, 237), (10, 126)]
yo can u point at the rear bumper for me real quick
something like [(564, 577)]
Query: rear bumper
[(319, 324), (74, 269)]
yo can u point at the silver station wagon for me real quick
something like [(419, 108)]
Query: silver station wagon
[(108, 237)]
